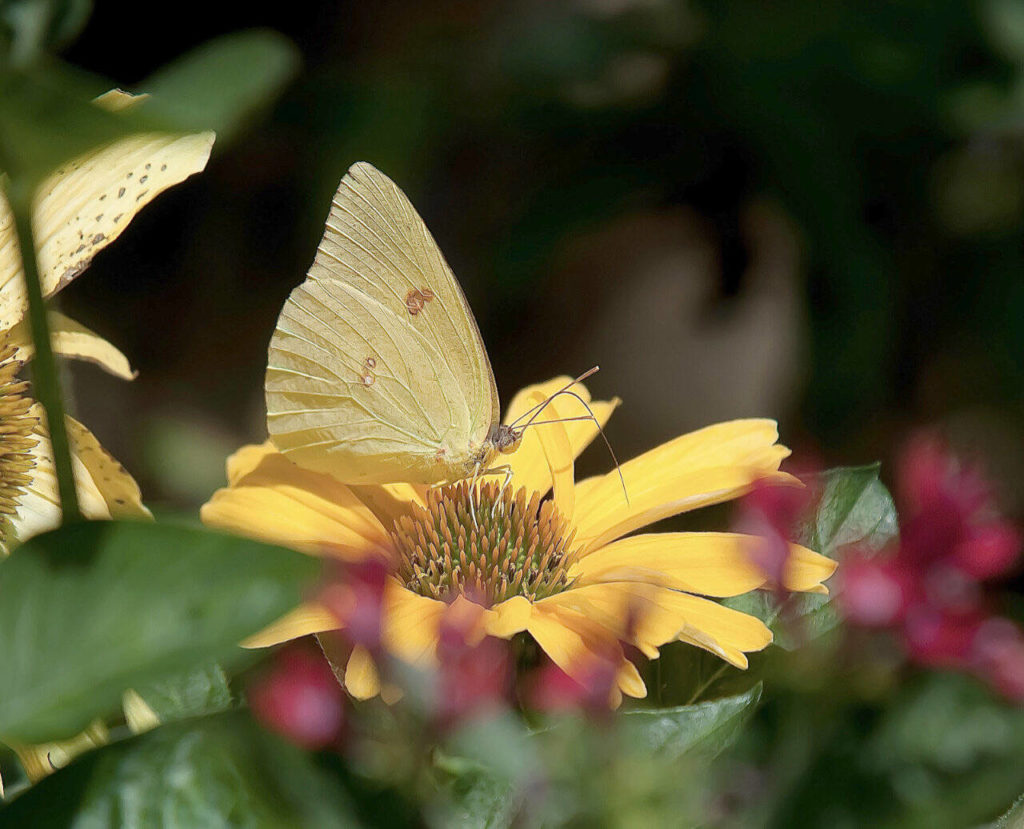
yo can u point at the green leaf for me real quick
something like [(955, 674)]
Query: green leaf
[(854, 508), (192, 694), (705, 729), (222, 83), (28, 27), (153, 601), (47, 117), (1013, 819), (218, 771)]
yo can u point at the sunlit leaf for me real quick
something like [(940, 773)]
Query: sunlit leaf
[(152, 602)]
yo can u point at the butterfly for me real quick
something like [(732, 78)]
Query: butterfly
[(377, 372)]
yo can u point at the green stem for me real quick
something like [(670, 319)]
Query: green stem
[(45, 381)]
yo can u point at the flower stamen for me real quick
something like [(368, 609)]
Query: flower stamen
[(16, 443), (515, 547)]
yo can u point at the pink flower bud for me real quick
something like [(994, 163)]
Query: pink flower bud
[(299, 698)]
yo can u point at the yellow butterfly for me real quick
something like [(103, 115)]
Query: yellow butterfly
[(377, 372)]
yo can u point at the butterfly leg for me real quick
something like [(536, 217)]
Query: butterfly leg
[(472, 493), (507, 471)]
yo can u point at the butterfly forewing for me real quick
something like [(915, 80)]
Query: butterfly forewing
[(377, 371)]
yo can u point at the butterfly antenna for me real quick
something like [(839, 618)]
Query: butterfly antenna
[(536, 410), (590, 416)]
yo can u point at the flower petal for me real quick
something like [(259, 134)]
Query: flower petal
[(84, 206), (72, 339), (38, 507), (712, 564), (275, 500), (311, 617), (410, 624), (117, 488), (361, 678), (389, 501), (650, 616), (529, 463), (508, 618), (245, 460), (558, 454), (576, 644), (708, 466)]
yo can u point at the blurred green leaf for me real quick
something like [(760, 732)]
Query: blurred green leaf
[(218, 771), (855, 508), (153, 601), (222, 83), (29, 27), (192, 694), (706, 728), (1013, 819), (479, 798), (497, 767), (47, 117)]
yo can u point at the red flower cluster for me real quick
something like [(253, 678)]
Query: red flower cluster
[(474, 675), (299, 698), (771, 513), (929, 587)]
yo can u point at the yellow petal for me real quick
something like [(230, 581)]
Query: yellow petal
[(84, 206), (304, 620), (139, 717), (410, 624), (650, 616), (38, 507), (72, 339), (712, 564), (275, 500), (576, 644), (246, 459), (509, 617), (705, 467), (361, 678), (469, 618), (529, 463), (557, 452), (118, 489), (389, 501), (43, 759)]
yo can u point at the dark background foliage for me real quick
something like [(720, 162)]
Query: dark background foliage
[(801, 210)]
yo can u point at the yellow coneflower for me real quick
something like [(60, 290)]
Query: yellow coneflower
[(562, 568), (77, 211)]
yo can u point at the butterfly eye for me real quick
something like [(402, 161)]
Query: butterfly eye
[(512, 440)]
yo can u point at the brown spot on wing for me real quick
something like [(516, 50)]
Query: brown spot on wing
[(416, 300)]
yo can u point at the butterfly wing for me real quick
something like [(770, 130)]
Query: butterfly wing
[(377, 371)]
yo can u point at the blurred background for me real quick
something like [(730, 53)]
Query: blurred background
[(799, 210)]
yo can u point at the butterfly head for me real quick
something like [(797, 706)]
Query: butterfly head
[(504, 438)]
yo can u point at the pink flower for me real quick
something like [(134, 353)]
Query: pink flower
[(356, 598), (299, 698), (474, 671), (872, 593), (771, 513), (929, 587), (998, 655)]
